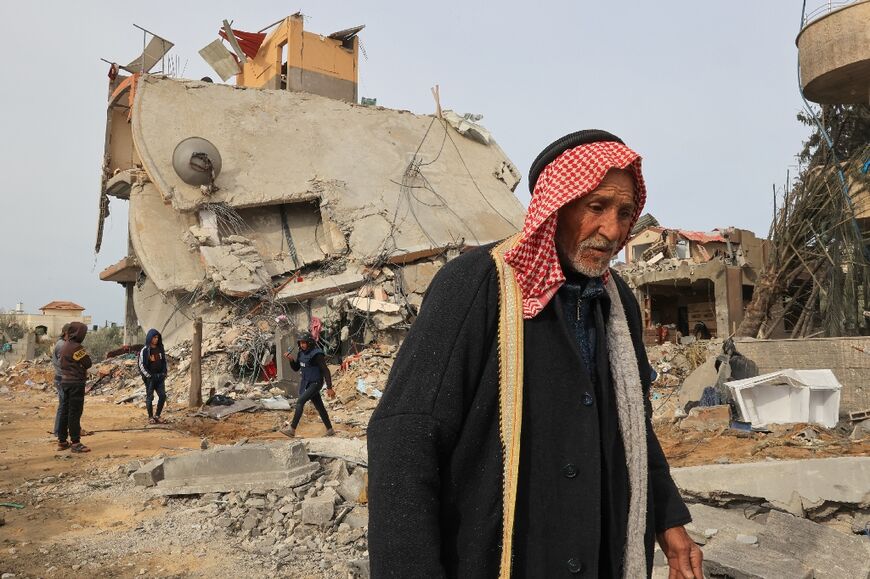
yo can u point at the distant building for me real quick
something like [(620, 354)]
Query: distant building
[(54, 315), (684, 278)]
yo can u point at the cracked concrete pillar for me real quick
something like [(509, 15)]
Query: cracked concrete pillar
[(131, 324)]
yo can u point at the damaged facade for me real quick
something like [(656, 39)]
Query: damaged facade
[(684, 278), (312, 212)]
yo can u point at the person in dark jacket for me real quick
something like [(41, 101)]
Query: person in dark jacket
[(74, 364), (514, 437), (153, 369), (55, 361), (312, 363)]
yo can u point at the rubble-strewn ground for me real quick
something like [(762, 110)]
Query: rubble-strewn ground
[(83, 516)]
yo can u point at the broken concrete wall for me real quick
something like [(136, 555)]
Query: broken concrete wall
[(850, 366), (317, 203)]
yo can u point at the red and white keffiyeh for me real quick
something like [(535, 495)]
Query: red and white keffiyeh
[(570, 176)]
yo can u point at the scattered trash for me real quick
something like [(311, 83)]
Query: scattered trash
[(275, 403), (367, 390)]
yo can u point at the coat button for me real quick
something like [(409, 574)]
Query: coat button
[(569, 470), (574, 566), (587, 399)]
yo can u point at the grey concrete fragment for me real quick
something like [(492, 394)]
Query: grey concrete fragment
[(694, 384), (352, 487), (318, 511), (253, 467), (828, 552), (348, 449), (358, 518), (318, 286), (732, 560), (416, 277), (792, 485), (150, 474), (747, 539), (337, 471)]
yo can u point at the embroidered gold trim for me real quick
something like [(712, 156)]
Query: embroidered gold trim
[(510, 362)]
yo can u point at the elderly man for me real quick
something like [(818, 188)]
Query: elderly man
[(514, 437)]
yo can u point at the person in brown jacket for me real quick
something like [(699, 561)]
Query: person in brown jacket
[(74, 364)]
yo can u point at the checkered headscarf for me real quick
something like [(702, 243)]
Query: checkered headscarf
[(573, 174)]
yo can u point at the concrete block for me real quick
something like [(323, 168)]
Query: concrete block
[(252, 467), (349, 449), (694, 384), (831, 554), (150, 474), (318, 511), (707, 418), (738, 561), (352, 487), (416, 277), (789, 485), (358, 518)]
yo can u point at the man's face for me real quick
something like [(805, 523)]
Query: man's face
[(591, 229), (154, 340), (303, 346)]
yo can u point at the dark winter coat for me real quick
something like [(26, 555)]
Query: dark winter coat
[(152, 360), (74, 359), (435, 458)]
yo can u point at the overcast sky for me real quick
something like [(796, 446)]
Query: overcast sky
[(705, 91)]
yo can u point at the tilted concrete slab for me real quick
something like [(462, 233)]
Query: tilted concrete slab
[(259, 467), (317, 286), (354, 159), (790, 485), (157, 232), (830, 553), (786, 546), (170, 313)]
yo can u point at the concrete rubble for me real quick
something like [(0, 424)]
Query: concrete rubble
[(752, 543), (800, 487), (248, 467), (312, 521), (291, 225)]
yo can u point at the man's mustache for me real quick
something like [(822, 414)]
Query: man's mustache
[(600, 244)]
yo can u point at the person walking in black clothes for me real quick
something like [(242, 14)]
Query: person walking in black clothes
[(153, 368), (74, 364), (312, 362)]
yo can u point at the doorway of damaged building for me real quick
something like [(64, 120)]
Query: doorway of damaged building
[(682, 306)]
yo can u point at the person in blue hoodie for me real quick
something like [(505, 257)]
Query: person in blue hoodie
[(312, 362), (153, 368)]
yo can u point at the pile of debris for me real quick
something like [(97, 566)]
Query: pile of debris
[(673, 362), (807, 518), (273, 501)]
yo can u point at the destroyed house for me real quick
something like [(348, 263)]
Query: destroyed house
[(685, 278), (287, 200)]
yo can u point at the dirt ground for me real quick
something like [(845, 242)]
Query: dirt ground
[(72, 499), (82, 516)]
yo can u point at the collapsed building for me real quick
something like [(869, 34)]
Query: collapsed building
[(282, 201), (685, 278)]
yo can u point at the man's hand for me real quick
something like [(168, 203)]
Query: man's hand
[(330, 392), (684, 556), (288, 355)]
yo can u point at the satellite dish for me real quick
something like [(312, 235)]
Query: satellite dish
[(196, 161)]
